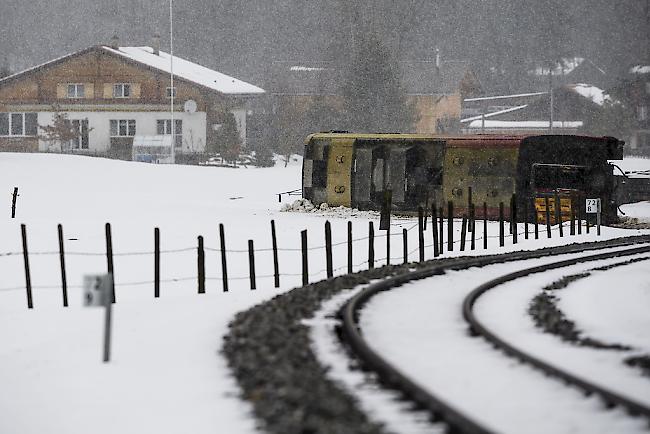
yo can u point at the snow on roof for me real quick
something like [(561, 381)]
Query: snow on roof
[(640, 69), (188, 70), (305, 68), (33, 68), (563, 67), (500, 112), (593, 93), (527, 125)]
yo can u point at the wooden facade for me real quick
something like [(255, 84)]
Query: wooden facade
[(96, 71)]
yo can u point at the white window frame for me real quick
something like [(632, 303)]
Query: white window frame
[(23, 125), (167, 126), (169, 90), (76, 93), (129, 125), (122, 90)]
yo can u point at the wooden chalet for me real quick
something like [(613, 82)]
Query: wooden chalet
[(111, 94)]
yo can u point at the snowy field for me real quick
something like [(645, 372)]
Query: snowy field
[(166, 374)]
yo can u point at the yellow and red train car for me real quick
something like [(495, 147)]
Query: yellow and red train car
[(354, 170)]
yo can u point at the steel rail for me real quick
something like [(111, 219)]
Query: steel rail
[(390, 375), (610, 398)]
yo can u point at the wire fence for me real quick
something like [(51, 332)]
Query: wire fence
[(437, 242)]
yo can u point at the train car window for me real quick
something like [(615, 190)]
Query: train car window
[(319, 173), (397, 173), (378, 175), (552, 176), (307, 173), (362, 175), (315, 150)]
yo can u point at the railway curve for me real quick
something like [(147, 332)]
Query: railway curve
[(269, 351), (477, 327), (438, 408)]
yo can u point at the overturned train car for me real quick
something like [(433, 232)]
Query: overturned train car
[(355, 170)]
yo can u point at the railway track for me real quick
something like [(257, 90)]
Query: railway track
[(438, 408)]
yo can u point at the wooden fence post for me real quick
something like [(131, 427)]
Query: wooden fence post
[(156, 262), (405, 245), (349, 247), (13, 203), (470, 228), (28, 277), (251, 264), (558, 213), (441, 232), (535, 220), (573, 218), (450, 226), (388, 245), (371, 245), (64, 280), (526, 219), (513, 223), (200, 263), (579, 212), (434, 230), (420, 234), (328, 249), (485, 226), (276, 265), (463, 233), (501, 227), (548, 217), (109, 258), (472, 223), (224, 267), (305, 265)]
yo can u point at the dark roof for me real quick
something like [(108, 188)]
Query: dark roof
[(324, 78)]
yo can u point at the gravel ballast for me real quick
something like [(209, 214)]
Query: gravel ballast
[(269, 352)]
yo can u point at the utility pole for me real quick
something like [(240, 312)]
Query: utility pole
[(550, 92), (171, 79)]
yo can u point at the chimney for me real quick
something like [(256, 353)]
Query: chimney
[(438, 59), (115, 42), (155, 44)]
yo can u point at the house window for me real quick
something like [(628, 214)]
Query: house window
[(164, 126), (18, 124), (76, 91), (80, 126), (171, 91), (642, 113), (122, 127), (122, 90)]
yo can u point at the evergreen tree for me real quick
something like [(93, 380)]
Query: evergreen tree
[(4, 71), (227, 141), (287, 131), (374, 100)]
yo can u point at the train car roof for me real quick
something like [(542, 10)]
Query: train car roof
[(452, 141)]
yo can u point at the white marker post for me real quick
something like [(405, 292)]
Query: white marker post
[(97, 292), (592, 206)]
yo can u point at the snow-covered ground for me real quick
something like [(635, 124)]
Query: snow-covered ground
[(429, 340), (165, 375)]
